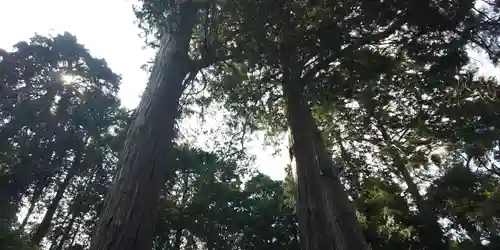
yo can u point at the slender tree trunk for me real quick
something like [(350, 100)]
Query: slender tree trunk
[(14, 188), (178, 238), (53, 242), (473, 233), (327, 221), (33, 200), (430, 231), (182, 205), (57, 234), (45, 178), (73, 237), (129, 213), (65, 235), (15, 185), (44, 226)]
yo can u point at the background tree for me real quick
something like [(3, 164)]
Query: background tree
[(59, 124)]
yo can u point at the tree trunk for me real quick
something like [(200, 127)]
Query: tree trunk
[(44, 226), (75, 212), (472, 232), (65, 235), (57, 233), (128, 217), (13, 189), (182, 207), (73, 237), (430, 232), (53, 242), (178, 239), (33, 200), (44, 176), (327, 221)]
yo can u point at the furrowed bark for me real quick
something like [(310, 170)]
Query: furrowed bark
[(128, 217), (327, 220)]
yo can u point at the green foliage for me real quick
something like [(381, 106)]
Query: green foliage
[(389, 84), (206, 204), (469, 200), (14, 241), (60, 120), (64, 125), (387, 87)]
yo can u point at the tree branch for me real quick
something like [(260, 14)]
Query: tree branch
[(354, 46)]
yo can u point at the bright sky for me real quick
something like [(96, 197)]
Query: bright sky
[(107, 29)]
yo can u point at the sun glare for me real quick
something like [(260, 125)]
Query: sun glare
[(67, 78)]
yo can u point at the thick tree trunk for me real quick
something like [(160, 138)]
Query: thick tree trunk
[(44, 226), (129, 213), (327, 221)]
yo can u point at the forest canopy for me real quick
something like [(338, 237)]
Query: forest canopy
[(394, 135)]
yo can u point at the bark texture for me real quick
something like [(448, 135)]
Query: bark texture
[(327, 220), (128, 217)]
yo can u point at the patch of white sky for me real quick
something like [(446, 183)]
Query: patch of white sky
[(107, 29)]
